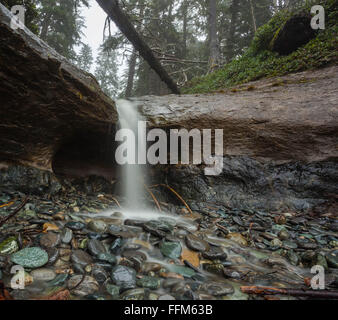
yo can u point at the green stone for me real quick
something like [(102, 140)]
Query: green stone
[(58, 281), (113, 290), (83, 243), (293, 257), (133, 294), (333, 244), (332, 259), (107, 258), (27, 214), (172, 250), (149, 282), (9, 246), (321, 261), (30, 257), (184, 271)]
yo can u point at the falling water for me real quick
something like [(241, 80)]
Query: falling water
[(133, 174)]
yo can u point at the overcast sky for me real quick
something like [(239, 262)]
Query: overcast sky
[(95, 18)]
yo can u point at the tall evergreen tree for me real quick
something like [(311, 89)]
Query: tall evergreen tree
[(85, 58), (60, 24), (106, 72)]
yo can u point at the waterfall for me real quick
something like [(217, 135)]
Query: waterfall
[(133, 174)]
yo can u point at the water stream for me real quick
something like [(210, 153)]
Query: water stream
[(133, 175)]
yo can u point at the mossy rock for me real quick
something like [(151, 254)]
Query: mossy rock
[(295, 33)]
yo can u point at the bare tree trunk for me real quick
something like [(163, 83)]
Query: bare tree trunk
[(213, 41), (131, 74), (231, 38), (113, 10), (185, 27), (45, 25), (133, 58), (254, 24)]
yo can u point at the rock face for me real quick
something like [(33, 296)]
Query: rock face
[(45, 100), (295, 33), (289, 118), (280, 142)]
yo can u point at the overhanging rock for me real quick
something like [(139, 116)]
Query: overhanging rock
[(280, 143), (44, 99)]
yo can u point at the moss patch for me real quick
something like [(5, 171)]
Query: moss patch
[(260, 62)]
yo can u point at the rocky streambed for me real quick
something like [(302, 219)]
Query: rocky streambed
[(79, 245)]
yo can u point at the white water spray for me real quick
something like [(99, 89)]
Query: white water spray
[(133, 174)]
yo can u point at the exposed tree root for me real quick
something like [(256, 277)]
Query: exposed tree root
[(3, 221), (154, 198), (175, 193), (116, 201)]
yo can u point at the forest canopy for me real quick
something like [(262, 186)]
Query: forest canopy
[(203, 45)]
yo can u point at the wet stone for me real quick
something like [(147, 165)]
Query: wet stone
[(333, 243), (59, 280), (88, 286), (96, 247), (238, 238), (196, 244), (43, 274), (105, 265), (166, 297), (215, 253), (334, 227), (276, 243), (218, 288), (106, 257), (134, 254), (50, 240), (159, 225), (75, 226), (66, 235), (283, 235), (99, 274), (81, 257), (332, 259), (124, 277), (151, 267), (116, 246), (321, 261), (149, 282), (133, 294), (9, 246), (293, 257), (172, 250), (182, 270), (131, 246), (30, 257), (290, 244), (309, 258), (97, 226), (307, 245), (113, 290)]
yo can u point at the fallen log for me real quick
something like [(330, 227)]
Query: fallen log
[(324, 294)]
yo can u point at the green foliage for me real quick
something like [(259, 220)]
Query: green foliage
[(259, 62), (85, 58), (106, 72), (266, 33), (61, 25)]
